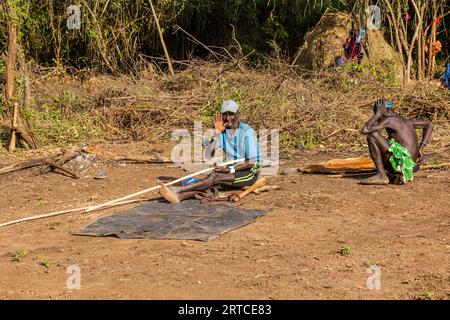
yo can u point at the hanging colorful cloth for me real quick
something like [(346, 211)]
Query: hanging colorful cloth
[(353, 46), (446, 76)]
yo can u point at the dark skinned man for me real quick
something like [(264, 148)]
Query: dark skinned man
[(400, 154), (237, 140)]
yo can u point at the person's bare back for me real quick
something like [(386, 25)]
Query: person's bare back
[(400, 130)]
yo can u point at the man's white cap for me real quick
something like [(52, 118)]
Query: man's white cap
[(229, 106)]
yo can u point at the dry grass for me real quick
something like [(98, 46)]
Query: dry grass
[(309, 108)]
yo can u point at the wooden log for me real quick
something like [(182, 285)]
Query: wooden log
[(258, 184), (60, 160), (22, 165), (360, 164), (52, 164), (435, 166), (34, 162), (12, 49), (134, 158)]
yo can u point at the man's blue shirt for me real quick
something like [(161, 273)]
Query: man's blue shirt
[(242, 144)]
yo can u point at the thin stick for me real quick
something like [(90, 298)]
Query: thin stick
[(167, 184), (52, 214), (162, 39), (434, 166), (52, 163), (345, 175)]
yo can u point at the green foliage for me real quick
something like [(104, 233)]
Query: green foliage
[(62, 121), (210, 110), (385, 72), (429, 295), (56, 124), (18, 255), (41, 202), (287, 140), (46, 263), (115, 33), (353, 66), (345, 250)]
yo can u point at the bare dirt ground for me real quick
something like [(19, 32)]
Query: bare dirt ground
[(290, 253)]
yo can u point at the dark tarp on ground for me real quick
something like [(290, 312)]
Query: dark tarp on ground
[(189, 220)]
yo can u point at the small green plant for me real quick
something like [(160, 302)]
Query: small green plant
[(40, 203), (345, 250), (18, 255), (353, 66), (46, 263), (429, 295)]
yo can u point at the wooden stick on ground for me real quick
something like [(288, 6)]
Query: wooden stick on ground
[(345, 175), (135, 158), (36, 162), (22, 165), (265, 189), (435, 166), (258, 184), (52, 164), (52, 214), (60, 160)]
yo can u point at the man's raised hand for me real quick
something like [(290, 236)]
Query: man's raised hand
[(218, 123)]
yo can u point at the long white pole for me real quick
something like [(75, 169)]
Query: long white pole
[(52, 214), (168, 184)]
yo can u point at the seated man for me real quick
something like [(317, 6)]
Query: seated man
[(401, 153), (238, 140)]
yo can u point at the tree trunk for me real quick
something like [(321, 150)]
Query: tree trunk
[(18, 125), (413, 40), (12, 50), (431, 41)]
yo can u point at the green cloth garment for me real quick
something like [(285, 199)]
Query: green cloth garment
[(256, 167), (401, 159)]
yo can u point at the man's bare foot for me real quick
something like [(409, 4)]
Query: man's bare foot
[(168, 194), (375, 180)]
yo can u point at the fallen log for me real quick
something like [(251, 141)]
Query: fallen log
[(132, 158), (59, 161), (23, 165), (360, 164), (435, 166), (265, 189), (37, 162), (53, 166)]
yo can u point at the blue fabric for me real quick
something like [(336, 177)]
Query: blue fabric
[(389, 105), (243, 144), (446, 76)]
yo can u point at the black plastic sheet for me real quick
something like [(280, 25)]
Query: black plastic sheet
[(188, 220)]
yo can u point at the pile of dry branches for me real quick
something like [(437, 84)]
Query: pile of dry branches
[(309, 108)]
